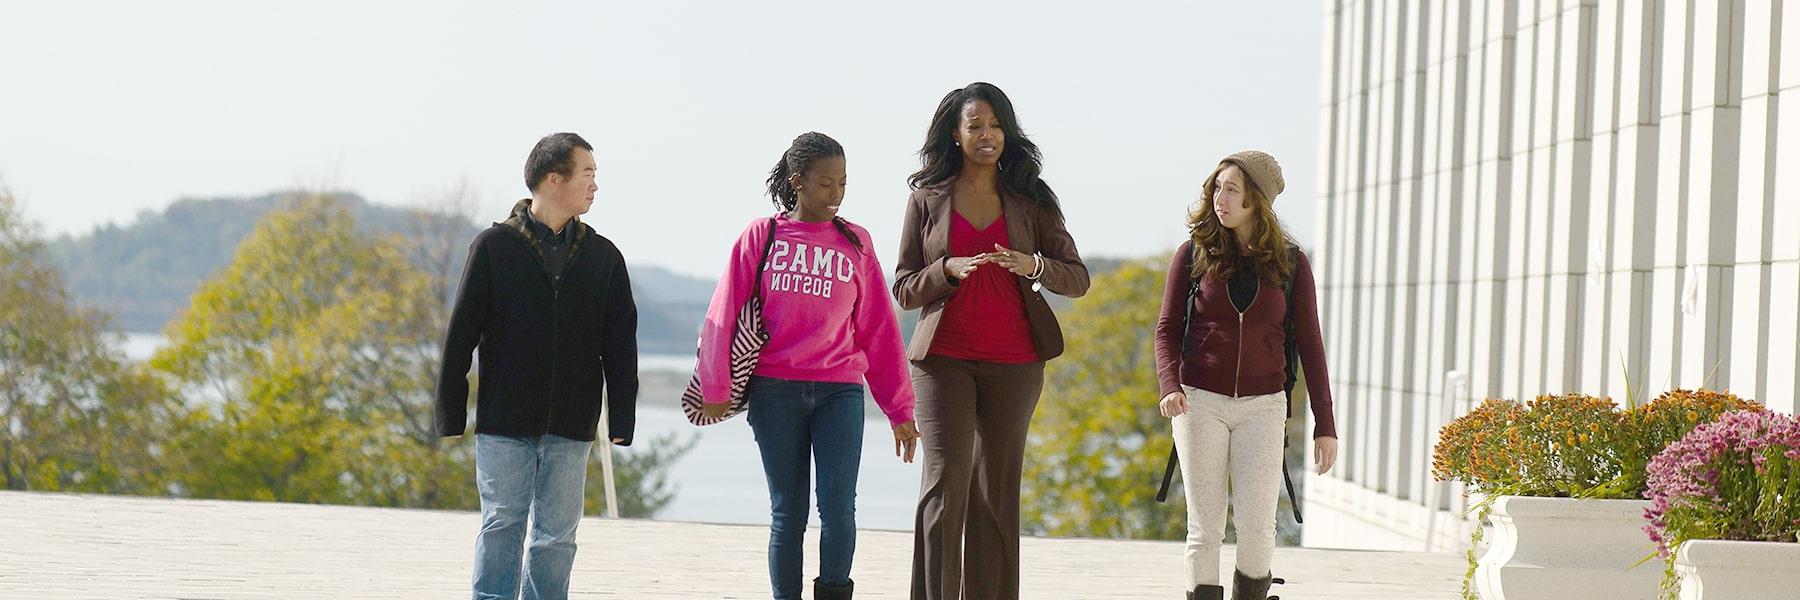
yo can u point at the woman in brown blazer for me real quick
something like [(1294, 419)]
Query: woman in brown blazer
[(983, 238)]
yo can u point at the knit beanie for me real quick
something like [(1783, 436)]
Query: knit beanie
[(1261, 169)]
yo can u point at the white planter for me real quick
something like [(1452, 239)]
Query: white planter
[(1565, 548), (1720, 569)]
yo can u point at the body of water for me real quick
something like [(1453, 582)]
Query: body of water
[(139, 347), (721, 479)]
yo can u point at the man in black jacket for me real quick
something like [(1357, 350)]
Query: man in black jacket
[(548, 303)]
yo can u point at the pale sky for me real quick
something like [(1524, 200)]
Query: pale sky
[(110, 108)]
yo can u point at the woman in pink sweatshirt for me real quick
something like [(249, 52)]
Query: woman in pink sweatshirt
[(831, 327)]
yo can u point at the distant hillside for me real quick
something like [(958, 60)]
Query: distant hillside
[(1097, 266), (143, 272)]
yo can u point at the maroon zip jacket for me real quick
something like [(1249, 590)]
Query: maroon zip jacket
[(1242, 355)]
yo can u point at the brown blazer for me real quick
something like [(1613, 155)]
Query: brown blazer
[(920, 281)]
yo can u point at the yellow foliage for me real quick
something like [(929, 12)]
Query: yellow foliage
[(1098, 443), (314, 364)]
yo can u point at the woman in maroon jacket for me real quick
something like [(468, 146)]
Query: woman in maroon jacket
[(1223, 378)]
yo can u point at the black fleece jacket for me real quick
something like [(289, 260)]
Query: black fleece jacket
[(549, 342)]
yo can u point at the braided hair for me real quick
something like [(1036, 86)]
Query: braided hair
[(809, 147)]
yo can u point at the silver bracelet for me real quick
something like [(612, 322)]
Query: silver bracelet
[(1039, 270)]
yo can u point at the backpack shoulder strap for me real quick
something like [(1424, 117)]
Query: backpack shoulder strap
[(1291, 345), (1293, 370), (1187, 319)]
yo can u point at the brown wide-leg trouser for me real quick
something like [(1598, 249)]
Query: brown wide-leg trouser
[(974, 417)]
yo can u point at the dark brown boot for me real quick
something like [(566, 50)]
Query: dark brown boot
[(833, 592), (1207, 592), (1243, 587)]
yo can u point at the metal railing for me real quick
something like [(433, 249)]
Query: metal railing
[(606, 462)]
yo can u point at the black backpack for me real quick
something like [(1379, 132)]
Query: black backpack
[(1293, 364)]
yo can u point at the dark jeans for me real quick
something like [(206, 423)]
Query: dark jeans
[(799, 424)]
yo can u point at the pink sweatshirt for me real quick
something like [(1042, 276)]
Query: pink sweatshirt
[(825, 304)]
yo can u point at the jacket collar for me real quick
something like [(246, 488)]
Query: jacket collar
[(519, 224), (1018, 211)]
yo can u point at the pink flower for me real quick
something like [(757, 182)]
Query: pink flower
[(1684, 479)]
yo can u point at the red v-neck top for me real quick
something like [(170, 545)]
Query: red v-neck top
[(984, 320)]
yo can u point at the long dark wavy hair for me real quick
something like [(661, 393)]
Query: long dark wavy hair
[(1216, 249), (810, 146), (1021, 164)]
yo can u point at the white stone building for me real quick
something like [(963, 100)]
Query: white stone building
[(1597, 196)]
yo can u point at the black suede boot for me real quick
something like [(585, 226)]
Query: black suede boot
[(1243, 587), (1207, 592), (833, 592)]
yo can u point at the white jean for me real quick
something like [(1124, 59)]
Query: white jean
[(1223, 440)]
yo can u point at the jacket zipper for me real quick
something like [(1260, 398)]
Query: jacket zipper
[(1236, 377), (555, 327)]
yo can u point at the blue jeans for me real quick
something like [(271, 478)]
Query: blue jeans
[(540, 479), (795, 421)]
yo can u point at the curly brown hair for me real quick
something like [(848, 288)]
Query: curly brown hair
[(1216, 250)]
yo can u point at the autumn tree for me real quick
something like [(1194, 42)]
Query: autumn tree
[(74, 414), (1098, 444), (312, 359)]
